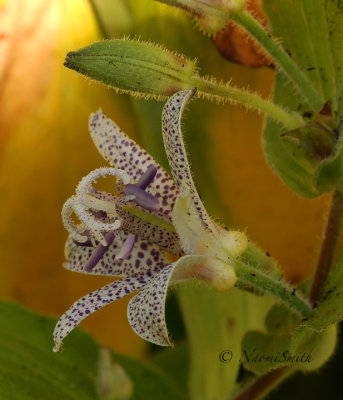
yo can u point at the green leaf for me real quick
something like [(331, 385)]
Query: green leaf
[(29, 370), (329, 175), (292, 19), (264, 352), (334, 12), (216, 322), (320, 346), (288, 160), (280, 321), (175, 363), (319, 55), (287, 343), (149, 382), (314, 141)]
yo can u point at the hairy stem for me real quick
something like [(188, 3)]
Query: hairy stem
[(248, 276), (327, 252), (249, 100), (264, 384), (262, 260), (284, 61)]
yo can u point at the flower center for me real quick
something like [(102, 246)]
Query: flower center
[(97, 212)]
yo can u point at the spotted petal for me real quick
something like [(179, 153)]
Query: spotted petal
[(161, 233), (176, 152), (144, 256), (122, 152), (146, 311), (164, 235), (94, 301)]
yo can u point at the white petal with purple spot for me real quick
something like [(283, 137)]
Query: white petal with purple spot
[(164, 238), (176, 152), (146, 311), (93, 301), (143, 257), (122, 152)]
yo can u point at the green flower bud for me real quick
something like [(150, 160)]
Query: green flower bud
[(140, 68), (210, 14)]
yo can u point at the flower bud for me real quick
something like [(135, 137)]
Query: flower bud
[(130, 66), (218, 274), (234, 242), (211, 14)]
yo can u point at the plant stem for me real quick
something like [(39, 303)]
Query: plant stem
[(262, 260), (284, 61), (263, 385), (250, 100), (327, 252), (248, 276)]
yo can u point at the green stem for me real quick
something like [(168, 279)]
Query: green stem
[(263, 384), (250, 100), (248, 276), (261, 260), (327, 253), (284, 61)]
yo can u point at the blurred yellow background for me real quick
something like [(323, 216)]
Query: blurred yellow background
[(45, 150)]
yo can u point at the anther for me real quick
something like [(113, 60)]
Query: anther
[(127, 247), (98, 252)]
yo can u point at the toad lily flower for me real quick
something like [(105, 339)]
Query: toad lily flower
[(133, 233)]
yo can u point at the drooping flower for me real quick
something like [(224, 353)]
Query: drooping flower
[(133, 233)]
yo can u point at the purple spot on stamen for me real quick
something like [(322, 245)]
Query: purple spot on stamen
[(147, 177), (126, 248), (143, 199), (98, 252)]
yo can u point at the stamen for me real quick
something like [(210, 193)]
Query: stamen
[(74, 230), (143, 199), (91, 242), (98, 204), (98, 252), (98, 236), (96, 226), (127, 247), (87, 243), (147, 177), (84, 185)]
